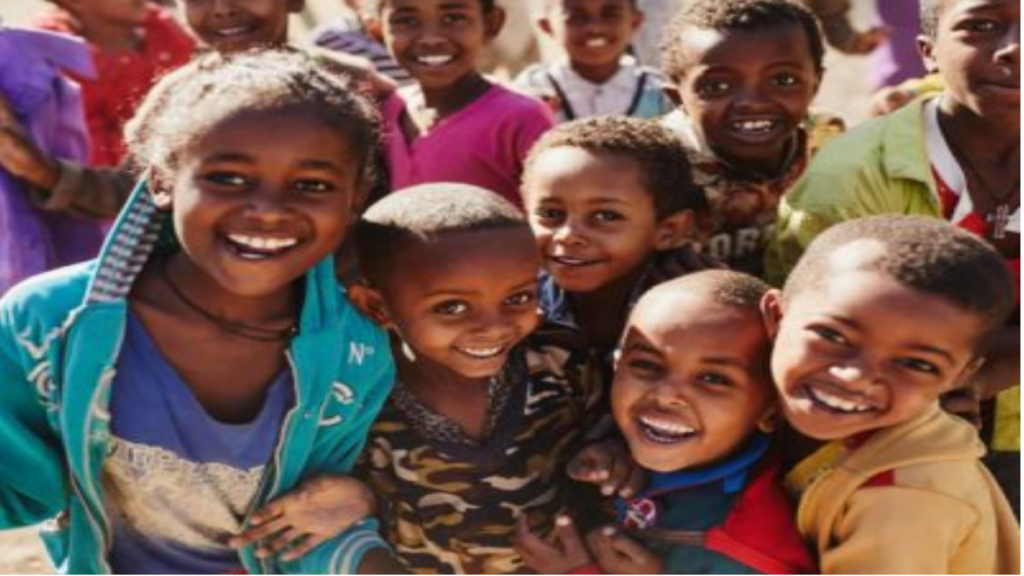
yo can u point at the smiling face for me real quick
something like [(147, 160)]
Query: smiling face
[(691, 386), (976, 49), (262, 197), (593, 218), (862, 352), (235, 25), (747, 91), (463, 300), (438, 41), (594, 33)]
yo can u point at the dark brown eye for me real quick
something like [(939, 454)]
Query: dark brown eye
[(451, 308)]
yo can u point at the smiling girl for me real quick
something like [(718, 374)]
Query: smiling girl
[(453, 124), (207, 362)]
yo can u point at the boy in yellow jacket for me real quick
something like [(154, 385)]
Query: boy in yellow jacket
[(880, 317)]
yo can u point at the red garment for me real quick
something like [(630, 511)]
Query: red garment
[(973, 222), (123, 77), (761, 531)]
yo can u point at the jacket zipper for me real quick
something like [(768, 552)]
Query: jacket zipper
[(102, 528), (278, 450)]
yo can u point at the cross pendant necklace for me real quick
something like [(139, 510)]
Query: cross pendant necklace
[(998, 220)]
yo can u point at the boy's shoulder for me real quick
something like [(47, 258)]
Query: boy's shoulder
[(934, 452), (877, 144)]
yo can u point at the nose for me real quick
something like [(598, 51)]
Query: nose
[(752, 99), (855, 373), (569, 232), (266, 209), (494, 325), (1008, 52), (669, 394), (593, 25), (223, 7), (430, 35)]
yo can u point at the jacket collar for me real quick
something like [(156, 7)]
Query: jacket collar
[(904, 150)]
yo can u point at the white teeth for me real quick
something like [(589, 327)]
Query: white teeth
[(233, 31), (483, 352), (263, 243), (569, 261), (435, 60), (755, 126), (837, 403), (597, 43), (666, 428)]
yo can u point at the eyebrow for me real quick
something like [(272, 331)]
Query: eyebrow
[(229, 157), (311, 164), (725, 361), (644, 346), (933, 350), (464, 293), (324, 165), (918, 347), (607, 200)]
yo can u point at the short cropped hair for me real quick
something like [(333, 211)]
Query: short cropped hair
[(725, 287), (661, 156), (931, 11), (926, 254), (376, 6), (420, 213), (728, 15)]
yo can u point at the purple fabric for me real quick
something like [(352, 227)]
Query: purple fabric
[(483, 144), (50, 108), (897, 60)]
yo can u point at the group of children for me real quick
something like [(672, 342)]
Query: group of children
[(537, 362)]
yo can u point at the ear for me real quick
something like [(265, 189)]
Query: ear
[(373, 28), (772, 312), (966, 375), (159, 190), (296, 6), (671, 91), (370, 302), (544, 23), (674, 230), (638, 19), (494, 21), (926, 48), (769, 419), (818, 79)]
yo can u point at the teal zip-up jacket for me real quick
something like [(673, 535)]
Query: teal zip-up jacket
[(60, 335)]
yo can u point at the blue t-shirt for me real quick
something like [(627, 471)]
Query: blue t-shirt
[(178, 482)]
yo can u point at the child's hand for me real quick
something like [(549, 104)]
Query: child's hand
[(609, 465), (20, 156), (301, 520), (566, 554), (619, 554), (890, 99), (869, 40)]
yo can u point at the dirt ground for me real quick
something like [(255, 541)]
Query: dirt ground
[(843, 93)]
